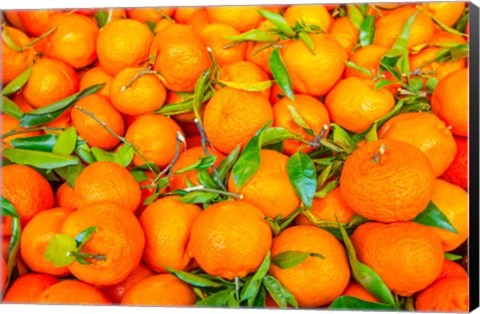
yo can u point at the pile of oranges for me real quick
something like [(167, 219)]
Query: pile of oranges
[(303, 156)]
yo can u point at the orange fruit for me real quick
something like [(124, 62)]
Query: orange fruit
[(72, 292), (230, 239), (13, 62), (426, 132), (369, 58), (181, 57), (51, 80), (314, 74), (198, 20), (450, 101), (311, 110), (439, 70), (389, 27), (232, 117), (74, 41), (446, 12), (194, 141), (160, 290), (167, 224), (149, 14), (97, 75), (443, 37), (387, 181), (315, 281), (106, 181), (355, 105), (27, 190), (27, 288), (260, 52), (450, 294), (310, 15), (37, 22), (331, 208), (345, 33), (183, 14), (243, 18), (163, 23), (356, 290), (35, 238), (136, 95), (260, 192), (452, 269), (155, 136), (457, 173), (119, 237), (215, 36), (117, 291), (453, 203), (244, 72), (91, 130), (14, 19), (64, 121), (186, 159), (65, 197), (11, 124), (123, 43), (406, 255)]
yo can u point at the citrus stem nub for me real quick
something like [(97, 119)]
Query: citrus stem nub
[(380, 152)]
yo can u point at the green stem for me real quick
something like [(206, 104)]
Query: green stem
[(315, 143), (237, 289), (43, 128)]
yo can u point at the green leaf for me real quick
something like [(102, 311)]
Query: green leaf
[(151, 25), (85, 153), (256, 35), (199, 93), (327, 188), (252, 286), (453, 257), (346, 302), (367, 31), (206, 179), (459, 52), (382, 83), (8, 40), (342, 138), (249, 87), (403, 64), (70, 173), (259, 300), (400, 46), (123, 156), (249, 161), (8, 209), (307, 40), (355, 15), (302, 175), (416, 84), (38, 159), (445, 27), (279, 293), (275, 135), (432, 216), (297, 118), (289, 259), (364, 275), (361, 69), (280, 73), (198, 197), (462, 22), (431, 83), (202, 163), (43, 143), (11, 108), (59, 248), (17, 83), (216, 300), (139, 176), (66, 142), (228, 162), (192, 279), (372, 133), (278, 21), (101, 17), (48, 113), (84, 236)]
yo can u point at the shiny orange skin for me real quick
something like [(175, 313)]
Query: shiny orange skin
[(145, 95), (50, 81), (232, 117), (27, 288), (450, 294), (345, 33), (149, 14), (119, 237), (309, 14), (214, 36), (106, 181), (406, 255), (426, 132), (330, 208), (72, 292), (314, 74), (13, 62), (181, 58), (389, 27), (395, 187), (457, 173), (316, 281), (260, 52), (37, 22), (160, 290), (198, 20), (440, 70), (450, 101), (12, 17), (443, 37), (35, 238), (312, 111), (367, 57), (97, 75), (155, 136), (167, 224), (452, 269), (186, 159), (271, 180), (230, 239), (123, 43), (65, 197), (74, 41), (446, 12), (355, 105), (244, 72), (354, 289), (243, 18), (117, 291), (452, 201), (183, 14)]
